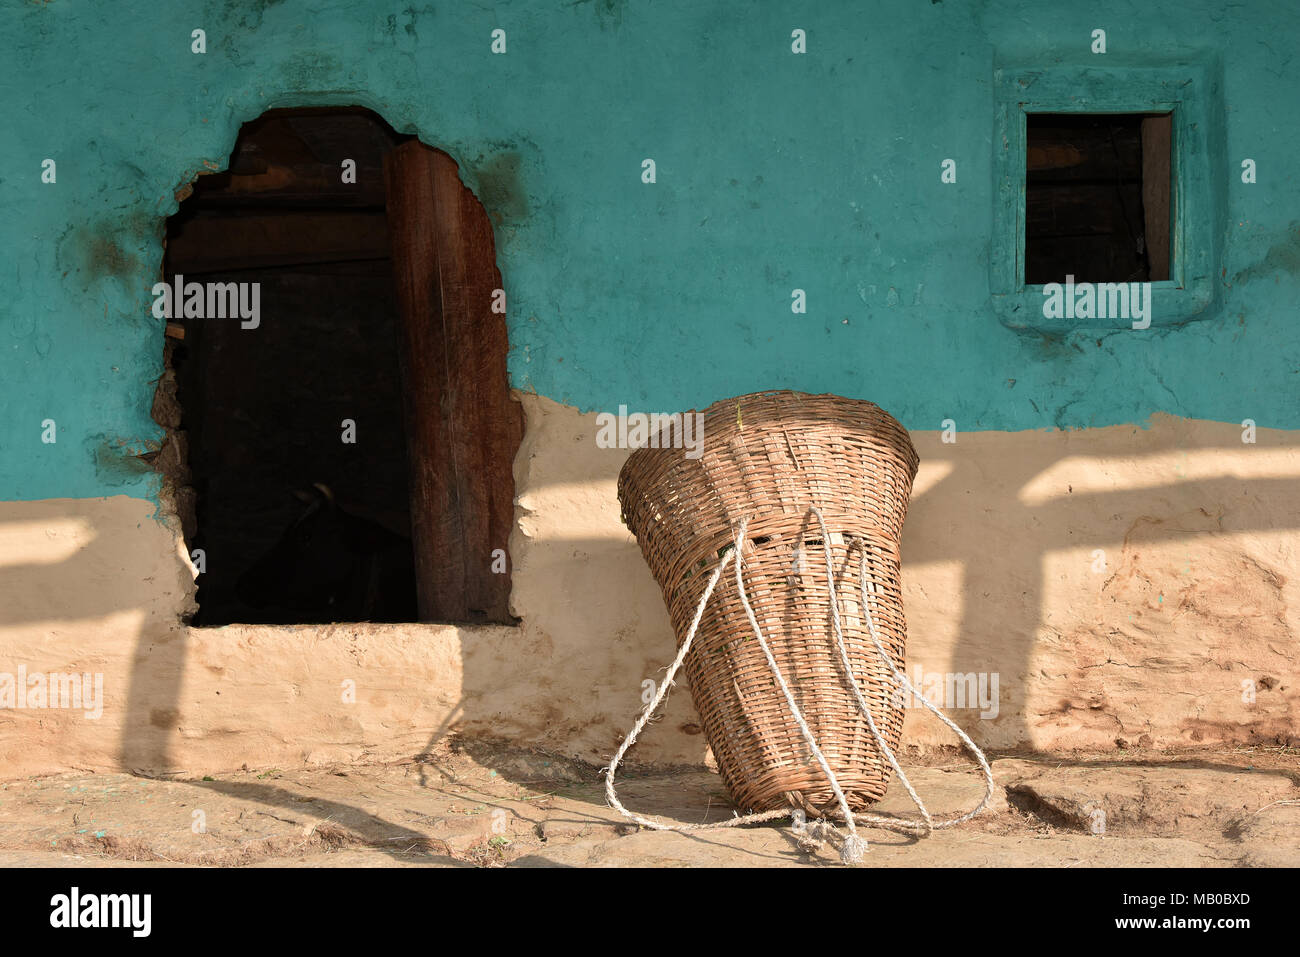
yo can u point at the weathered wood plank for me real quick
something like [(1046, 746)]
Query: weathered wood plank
[(212, 243), (1156, 155), (463, 425)]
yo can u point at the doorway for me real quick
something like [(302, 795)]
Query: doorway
[(341, 432)]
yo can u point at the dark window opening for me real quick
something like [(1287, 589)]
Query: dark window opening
[(299, 455), (1098, 200)]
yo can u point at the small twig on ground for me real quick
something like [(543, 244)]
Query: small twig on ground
[(1275, 804), (707, 808)]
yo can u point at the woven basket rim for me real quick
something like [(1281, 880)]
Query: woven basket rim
[(724, 411)]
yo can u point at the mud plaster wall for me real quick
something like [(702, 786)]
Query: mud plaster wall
[(775, 171), (1197, 594)]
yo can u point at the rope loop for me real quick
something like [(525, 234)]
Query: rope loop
[(810, 835)]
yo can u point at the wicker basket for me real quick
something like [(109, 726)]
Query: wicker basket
[(770, 457)]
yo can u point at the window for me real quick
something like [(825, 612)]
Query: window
[(1097, 197), (1104, 173)]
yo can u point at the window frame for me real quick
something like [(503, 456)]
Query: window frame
[(1183, 90)]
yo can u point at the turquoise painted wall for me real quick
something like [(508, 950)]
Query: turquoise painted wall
[(775, 171)]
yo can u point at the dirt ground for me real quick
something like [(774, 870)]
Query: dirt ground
[(478, 804)]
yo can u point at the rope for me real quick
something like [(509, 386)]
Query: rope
[(813, 834), (854, 846), (927, 825), (652, 707)]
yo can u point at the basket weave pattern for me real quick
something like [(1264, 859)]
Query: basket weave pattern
[(770, 457)]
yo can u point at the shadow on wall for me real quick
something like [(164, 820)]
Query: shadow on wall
[(1066, 587), (1015, 518), (1115, 582), (86, 573)]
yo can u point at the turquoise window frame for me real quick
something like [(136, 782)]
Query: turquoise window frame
[(1185, 90)]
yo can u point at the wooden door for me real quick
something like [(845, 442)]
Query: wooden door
[(463, 426)]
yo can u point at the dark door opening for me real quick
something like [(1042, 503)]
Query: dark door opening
[(300, 435), (1098, 200)]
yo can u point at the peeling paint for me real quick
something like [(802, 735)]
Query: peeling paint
[(501, 189), (1283, 257)]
